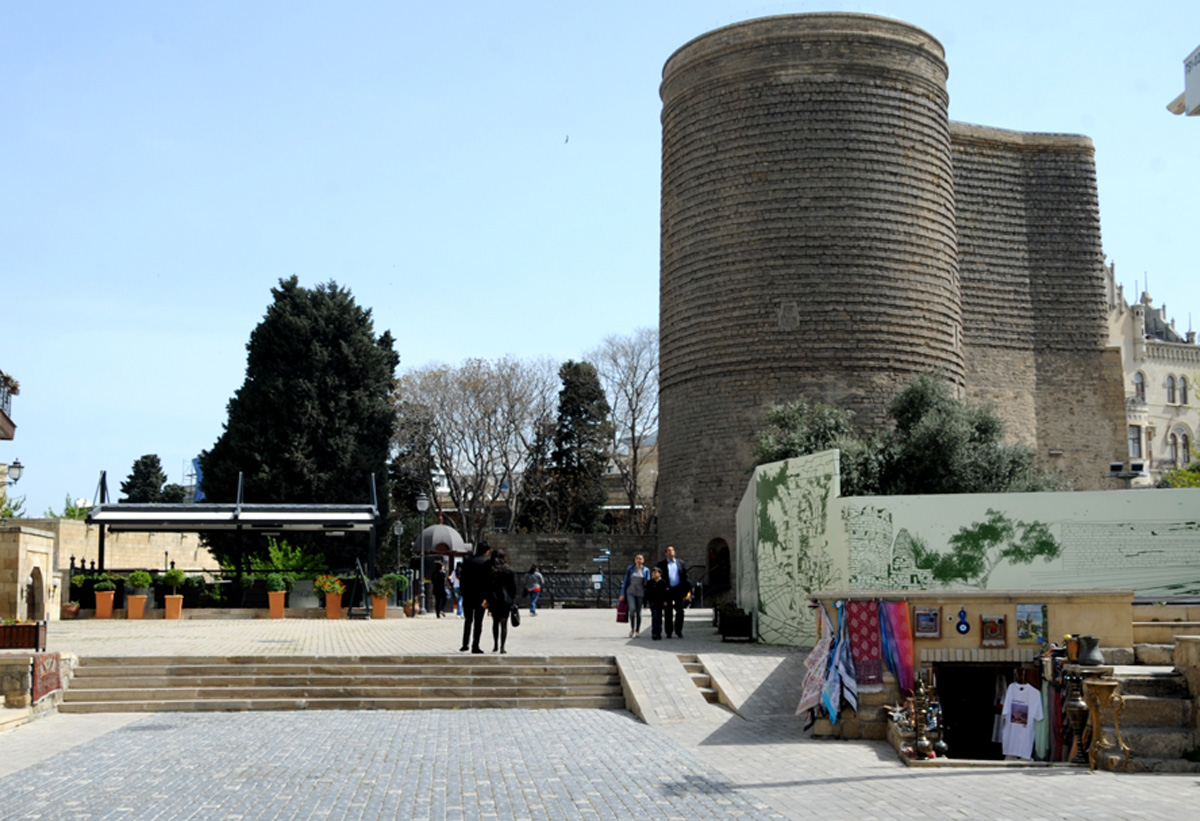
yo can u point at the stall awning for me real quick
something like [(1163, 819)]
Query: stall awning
[(182, 518)]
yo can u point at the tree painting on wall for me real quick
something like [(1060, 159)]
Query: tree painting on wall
[(977, 549)]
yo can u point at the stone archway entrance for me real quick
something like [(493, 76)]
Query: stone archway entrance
[(719, 573), (35, 596)]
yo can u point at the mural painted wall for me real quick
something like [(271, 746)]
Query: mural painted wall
[(802, 537)]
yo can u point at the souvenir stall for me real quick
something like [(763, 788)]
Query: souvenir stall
[(962, 675)]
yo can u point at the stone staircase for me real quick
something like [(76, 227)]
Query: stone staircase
[(1158, 722), (700, 677), (191, 684)]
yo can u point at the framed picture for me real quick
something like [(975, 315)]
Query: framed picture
[(993, 632), (927, 622), (1031, 623)]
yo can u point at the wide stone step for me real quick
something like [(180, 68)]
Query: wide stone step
[(304, 669), (1153, 711), (452, 660), (1162, 655), (234, 679), (1139, 764), (334, 690), (1160, 685), (432, 703), (1156, 742)]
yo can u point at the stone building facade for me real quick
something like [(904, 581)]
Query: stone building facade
[(827, 232), (1161, 371)]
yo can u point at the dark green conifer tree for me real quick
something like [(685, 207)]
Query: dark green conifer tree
[(145, 481), (580, 451), (313, 419)]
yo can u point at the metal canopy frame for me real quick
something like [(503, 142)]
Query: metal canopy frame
[(263, 519)]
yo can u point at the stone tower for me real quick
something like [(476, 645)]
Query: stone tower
[(826, 230), (808, 240)]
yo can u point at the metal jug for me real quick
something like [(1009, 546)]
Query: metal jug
[(1089, 651)]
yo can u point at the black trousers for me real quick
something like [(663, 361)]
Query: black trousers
[(439, 602), (472, 624), (656, 620), (673, 609)]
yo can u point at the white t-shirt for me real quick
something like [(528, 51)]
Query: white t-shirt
[(1022, 709)]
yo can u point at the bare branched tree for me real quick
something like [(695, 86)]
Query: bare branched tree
[(628, 368), (480, 418)]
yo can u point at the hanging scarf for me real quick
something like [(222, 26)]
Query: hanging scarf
[(864, 626), (841, 683), (898, 642), (816, 664)]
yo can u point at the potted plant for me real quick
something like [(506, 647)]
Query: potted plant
[(332, 588), (277, 587), (69, 610), (174, 602), (104, 588), (16, 634), (736, 623), (380, 590), (135, 603)]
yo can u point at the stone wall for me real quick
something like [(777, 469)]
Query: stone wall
[(828, 233), (124, 551), (573, 552)]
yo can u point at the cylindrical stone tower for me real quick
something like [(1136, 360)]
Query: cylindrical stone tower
[(808, 242)]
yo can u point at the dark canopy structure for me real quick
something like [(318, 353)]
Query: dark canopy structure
[(265, 519)]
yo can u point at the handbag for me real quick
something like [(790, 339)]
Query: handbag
[(622, 612), (516, 616)]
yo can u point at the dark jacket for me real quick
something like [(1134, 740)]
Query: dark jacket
[(684, 586), (503, 590), (656, 592), (474, 580)]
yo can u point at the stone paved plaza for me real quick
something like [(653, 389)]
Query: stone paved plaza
[(687, 760)]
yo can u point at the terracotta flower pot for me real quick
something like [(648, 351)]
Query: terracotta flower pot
[(333, 605), (379, 607), (104, 603), (69, 611), (135, 606), (174, 606), (276, 599)]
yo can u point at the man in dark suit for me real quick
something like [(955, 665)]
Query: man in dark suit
[(674, 573), (474, 578)]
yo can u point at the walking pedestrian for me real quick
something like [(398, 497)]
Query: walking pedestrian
[(674, 573), (475, 578), (633, 591), (455, 588), (656, 595), (438, 582), (533, 586), (502, 598)]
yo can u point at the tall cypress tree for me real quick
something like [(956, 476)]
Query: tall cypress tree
[(145, 481), (313, 419), (580, 451)]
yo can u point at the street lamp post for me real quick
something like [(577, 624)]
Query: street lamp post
[(423, 505)]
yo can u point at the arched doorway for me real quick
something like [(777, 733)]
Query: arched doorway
[(719, 572), (35, 596)]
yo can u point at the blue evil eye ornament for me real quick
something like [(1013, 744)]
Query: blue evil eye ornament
[(963, 627)]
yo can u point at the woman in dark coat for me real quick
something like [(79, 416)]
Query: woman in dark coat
[(502, 595)]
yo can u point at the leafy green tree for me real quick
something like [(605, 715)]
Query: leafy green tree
[(144, 485), (938, 444), (1186, 476), (580, 448), (313, 419), (71, 510), (976, 550), (12, 507), (174, 494)]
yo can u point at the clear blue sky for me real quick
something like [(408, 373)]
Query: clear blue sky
[(165, 163)]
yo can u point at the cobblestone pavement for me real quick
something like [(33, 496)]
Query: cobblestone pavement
[(691, 762)]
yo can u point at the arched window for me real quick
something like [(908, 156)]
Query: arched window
[(1186, 444), (1183, 390), (1173, 449), (1170, 390), (1139, 387)]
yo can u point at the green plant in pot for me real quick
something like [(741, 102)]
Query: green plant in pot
[(137, 585), (399, 583), (105, 588), (174, 602), (277, 589), (276, 583)]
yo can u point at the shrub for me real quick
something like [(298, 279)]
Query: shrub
[(276, 583), (329, 584), (381, 588), (139, 580), (174, 577), (104, 583)]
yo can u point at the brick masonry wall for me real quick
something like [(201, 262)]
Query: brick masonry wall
[(826, 232), (573, 552), (808, 241)]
